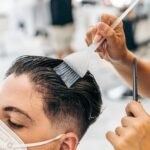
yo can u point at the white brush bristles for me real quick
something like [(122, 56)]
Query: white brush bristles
[(66, 73)]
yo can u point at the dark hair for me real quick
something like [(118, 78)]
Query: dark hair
[(75, 108)]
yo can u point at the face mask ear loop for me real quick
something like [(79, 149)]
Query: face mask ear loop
[(39, 143)]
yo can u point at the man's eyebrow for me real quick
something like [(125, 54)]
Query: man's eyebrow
[(14, 109)]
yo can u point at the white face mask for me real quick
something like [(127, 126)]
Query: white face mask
[(10, 141)]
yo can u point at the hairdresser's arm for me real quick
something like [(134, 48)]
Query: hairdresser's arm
[(134, 132), (115, 51)]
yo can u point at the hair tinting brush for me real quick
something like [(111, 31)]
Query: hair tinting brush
[(76, 65), (135, 83)]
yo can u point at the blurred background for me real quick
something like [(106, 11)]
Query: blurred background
[(56, 28)]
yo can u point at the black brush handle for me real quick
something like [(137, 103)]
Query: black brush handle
[(135, 82)]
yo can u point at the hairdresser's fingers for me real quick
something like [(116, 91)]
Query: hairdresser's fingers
[(108, 19), (103, 46), (135, 109), (105, 31), (94, 31), (120, 131), (102, 50), (112, 137), (90, 35), (130, 140), (128, 121)]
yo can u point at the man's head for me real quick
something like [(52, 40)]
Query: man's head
[(37, 105)]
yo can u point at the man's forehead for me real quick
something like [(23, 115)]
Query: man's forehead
[(18, 91), (21, 82)]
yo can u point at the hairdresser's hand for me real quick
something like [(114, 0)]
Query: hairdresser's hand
[(114, 48), (134, 134)]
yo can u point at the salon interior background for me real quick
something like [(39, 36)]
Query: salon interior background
[(25, 28)]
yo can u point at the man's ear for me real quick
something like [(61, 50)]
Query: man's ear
[(69, 142)]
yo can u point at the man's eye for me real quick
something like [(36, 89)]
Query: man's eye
[(14, 125)]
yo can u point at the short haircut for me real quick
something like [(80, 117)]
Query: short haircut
[(74, 108)]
